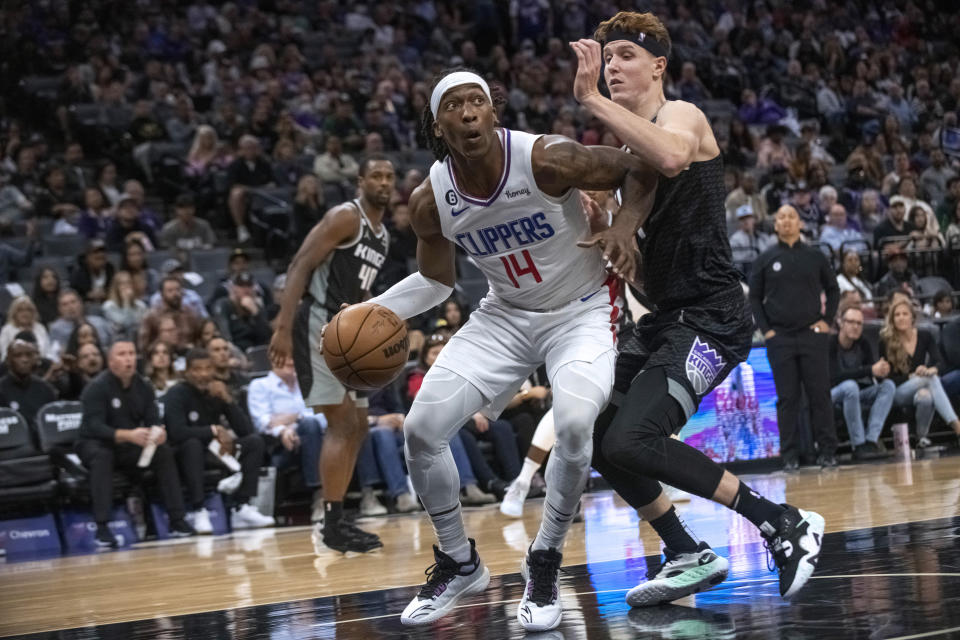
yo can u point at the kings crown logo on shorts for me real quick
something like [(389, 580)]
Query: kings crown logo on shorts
[(703, 366)]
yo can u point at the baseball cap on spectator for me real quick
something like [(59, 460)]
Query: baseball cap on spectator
[(126, 198), (894, 250), (171, 266), (244, 279), (216, 47), (184, 200), (238, 253), (26, 336), (898, 200), (744, 210), (259, 62), (96, 245)]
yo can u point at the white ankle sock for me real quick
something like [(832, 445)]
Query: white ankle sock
[(526, 473)]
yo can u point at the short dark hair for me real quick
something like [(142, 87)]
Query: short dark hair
[(169, 278), (943, 294), (197, 353), (370, 159)]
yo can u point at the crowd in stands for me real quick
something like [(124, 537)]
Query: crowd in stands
[(159, 162)]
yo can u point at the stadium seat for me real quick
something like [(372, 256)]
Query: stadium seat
[(208, 260), (67, 247), (157, 257), (259, 361), (931, 285), (26, 474)]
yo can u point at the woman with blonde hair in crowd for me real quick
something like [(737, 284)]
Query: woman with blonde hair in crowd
[(204, 151), (123, 309), (914, 366), (23, 316)]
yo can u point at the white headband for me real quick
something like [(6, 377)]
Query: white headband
[(452, 80)]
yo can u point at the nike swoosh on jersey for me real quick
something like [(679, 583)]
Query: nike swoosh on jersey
[(456, 212)]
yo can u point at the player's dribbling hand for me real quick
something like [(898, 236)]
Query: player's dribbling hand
[(281, 347), (323, 329), (589, 62), (619, 249)]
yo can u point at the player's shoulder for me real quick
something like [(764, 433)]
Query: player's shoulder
[(679, 111), (423, 206)]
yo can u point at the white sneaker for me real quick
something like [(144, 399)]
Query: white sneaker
[(200, 520), (540, 608), (369, 505), (512, 504), (406, 503), (924, 442), (247, 517), (447, 582), (681, 574), (316, 509), (243, 234)]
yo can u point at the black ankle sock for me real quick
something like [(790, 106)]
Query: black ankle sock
[(673, 532), (332, 513), (755, 508)]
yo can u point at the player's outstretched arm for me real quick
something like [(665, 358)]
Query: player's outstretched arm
[(560, 164), (433, 282), (670, 145), (340, 225)]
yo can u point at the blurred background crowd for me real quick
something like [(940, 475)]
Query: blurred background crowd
[(160, 161)]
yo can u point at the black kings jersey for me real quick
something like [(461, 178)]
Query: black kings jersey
[(349, 271), (686, 254)]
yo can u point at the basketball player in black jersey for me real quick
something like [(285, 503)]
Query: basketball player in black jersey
[(337, 263), (698, 332)]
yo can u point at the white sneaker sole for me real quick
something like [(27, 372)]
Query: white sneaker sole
[(478, 586), (511, 509), (811, 544), (658, 592)]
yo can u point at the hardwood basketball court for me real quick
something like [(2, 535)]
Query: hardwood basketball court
[(890, 568)]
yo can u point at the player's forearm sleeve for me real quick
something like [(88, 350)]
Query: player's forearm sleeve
[(413, 295)]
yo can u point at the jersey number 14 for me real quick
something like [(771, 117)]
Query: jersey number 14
[(367, 275), (514, 270)]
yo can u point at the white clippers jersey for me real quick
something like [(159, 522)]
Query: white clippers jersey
[(524, 241)]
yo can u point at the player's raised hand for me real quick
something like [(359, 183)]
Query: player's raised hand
[(589, 63), (619, 249)]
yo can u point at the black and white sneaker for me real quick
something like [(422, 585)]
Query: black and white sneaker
[(681, 574), (342, 537), (794, 546), (105, 538), (447, 582), (180, 528), (540, 608), (353, 530)]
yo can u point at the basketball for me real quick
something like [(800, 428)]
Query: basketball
[(365, 346)]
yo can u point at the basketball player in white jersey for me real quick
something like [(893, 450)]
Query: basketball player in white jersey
[(336, 265), (510, 200)]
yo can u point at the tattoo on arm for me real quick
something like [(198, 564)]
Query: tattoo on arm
[(560, 164)]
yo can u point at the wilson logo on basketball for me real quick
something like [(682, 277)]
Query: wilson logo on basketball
[(400, 346)]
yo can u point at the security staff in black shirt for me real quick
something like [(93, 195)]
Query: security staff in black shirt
[(195, 411), (20, 389), (785, 288), (119, 409)]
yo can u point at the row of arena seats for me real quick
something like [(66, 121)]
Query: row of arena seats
[(40, 472)]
